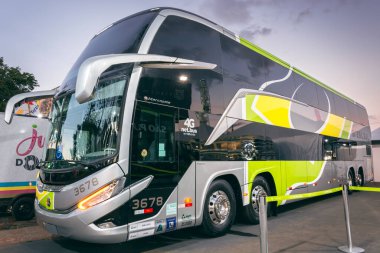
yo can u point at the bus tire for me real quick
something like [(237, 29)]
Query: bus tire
[(360, 181), (23, 208), (219, 209), (351, 181), (251, 211)]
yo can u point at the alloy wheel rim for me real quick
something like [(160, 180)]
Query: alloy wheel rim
[(350, 180), (257, 191), (219, 207), (360, 179)]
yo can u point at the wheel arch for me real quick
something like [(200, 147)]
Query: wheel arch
[(270, 180), (361, 171), (234, 182), (351, 170), (27, 195)]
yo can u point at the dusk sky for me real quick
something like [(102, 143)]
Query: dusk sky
[(335, 41)]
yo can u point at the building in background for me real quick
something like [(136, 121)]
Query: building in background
[(376, 153)]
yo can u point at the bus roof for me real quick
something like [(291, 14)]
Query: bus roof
[(166, 11)]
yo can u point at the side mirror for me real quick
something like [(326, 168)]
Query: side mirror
[(23, 96), (93, 67)]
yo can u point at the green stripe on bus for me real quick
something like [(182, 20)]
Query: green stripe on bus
[(250, 114), (287, 65), (346, 129), (368, 189), (303, 195), (263, 52)]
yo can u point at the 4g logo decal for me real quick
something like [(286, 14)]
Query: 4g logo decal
[(189, 123), (189, 128)]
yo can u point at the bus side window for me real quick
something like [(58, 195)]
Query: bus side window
[(341, 106), (329, 149), (275, 71), (368, 150), (306, 91), (187, 39)]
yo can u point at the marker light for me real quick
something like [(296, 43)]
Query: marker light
[(98, 196), (188, 202)]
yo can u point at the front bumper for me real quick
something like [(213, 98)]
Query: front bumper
[(79, 224)]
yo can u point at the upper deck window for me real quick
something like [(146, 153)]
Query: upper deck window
[(187, 39), (122, 37)]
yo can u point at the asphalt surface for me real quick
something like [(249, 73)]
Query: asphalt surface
[(314, 225)]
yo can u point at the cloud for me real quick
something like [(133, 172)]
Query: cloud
[(228, 10), (232, 11), (238, 13), (253, 31), (374, 119), (302, 15), (336, 5)]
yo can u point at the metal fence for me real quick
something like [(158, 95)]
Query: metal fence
[(264, 200)]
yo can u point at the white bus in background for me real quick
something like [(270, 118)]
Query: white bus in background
[(21, 148)]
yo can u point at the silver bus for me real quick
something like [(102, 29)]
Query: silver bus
[(168, 121)]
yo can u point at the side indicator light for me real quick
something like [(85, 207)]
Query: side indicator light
[(188, 202)]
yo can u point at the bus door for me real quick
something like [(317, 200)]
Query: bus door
[(154, 153), (331, 175)]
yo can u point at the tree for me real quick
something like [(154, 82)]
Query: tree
[(13, 82)]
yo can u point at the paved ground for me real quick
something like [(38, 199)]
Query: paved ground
[(12, 231), (315, 225)]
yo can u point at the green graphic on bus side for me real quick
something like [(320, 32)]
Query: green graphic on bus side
[(250, 114), (286, 174)]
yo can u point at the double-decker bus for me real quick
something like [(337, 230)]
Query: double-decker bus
[(168, 120)]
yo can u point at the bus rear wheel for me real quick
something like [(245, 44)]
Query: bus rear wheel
[(360, 181), (219, 209), (351, 181), (251, 212)]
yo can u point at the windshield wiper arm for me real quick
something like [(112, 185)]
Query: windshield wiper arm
[(42, 163)]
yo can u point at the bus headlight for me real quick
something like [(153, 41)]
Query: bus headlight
[(101, 195)]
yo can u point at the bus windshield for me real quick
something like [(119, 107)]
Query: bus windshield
[(88, 132)]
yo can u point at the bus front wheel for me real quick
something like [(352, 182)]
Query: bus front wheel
[(260, 186), (219, 209)]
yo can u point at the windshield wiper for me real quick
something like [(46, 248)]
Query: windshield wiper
[(42, 164)]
